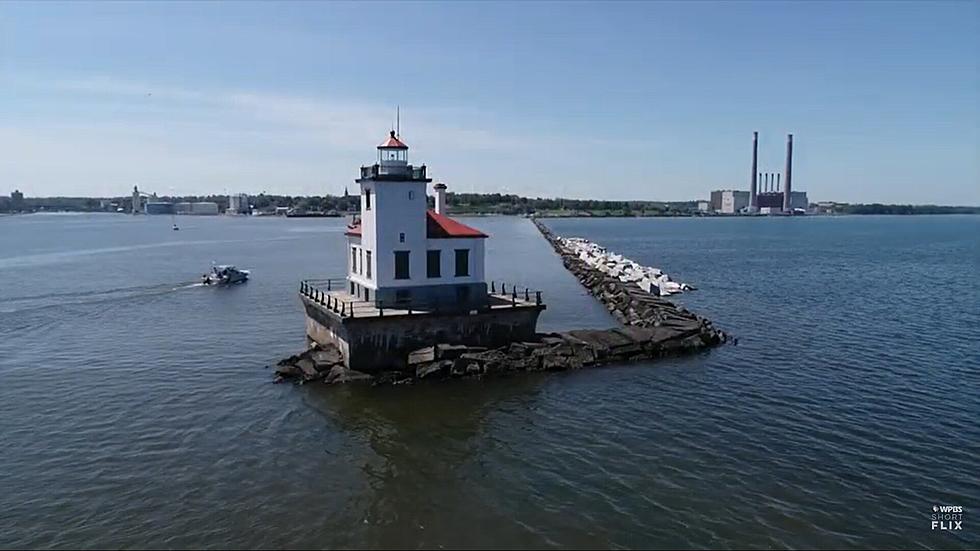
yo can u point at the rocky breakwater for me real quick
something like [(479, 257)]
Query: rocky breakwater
[(596, 257), (628, 292), (546, 352), (653, 327)]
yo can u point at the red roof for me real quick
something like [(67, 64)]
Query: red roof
[(393, 142), (440, 226), (437, 226)]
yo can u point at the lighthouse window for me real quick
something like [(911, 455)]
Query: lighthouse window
[(432, 263), (367, 264), (367, 199), (462, 262), (401, 238), (411, 195), (401, 265), (353, 259)]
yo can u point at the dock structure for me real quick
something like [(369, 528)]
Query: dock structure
[(376, 336)]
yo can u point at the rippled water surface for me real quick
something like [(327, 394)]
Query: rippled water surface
[(136, 407)]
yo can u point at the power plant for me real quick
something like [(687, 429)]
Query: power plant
[(776, 195)]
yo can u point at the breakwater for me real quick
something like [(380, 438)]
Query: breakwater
[(649, 279), (653, 328), (626, 300)]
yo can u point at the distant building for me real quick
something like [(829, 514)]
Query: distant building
[(238, 204), (137, 203), (182, 207), (16, 200), (729, 201), (204, 208), (704, 206), (282, 211), (770, 200), (158, 207), (824, 207), (798, 200)]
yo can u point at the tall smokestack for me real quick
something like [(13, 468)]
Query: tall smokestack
[(440, 189), (777, 182), (787, 191), (754, 189)]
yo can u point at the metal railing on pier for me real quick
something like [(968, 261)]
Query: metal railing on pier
[(320, 291), (515, 293), (333, 295)]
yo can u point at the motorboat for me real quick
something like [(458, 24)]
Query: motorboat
[(224, 275)]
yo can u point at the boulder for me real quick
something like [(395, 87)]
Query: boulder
[(422, 355), (326, 358), (308, 368), (554, 363), (288, 371), (433, 370), (453, 351)]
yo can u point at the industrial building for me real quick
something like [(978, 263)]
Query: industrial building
[(158, 207), (202, 208), (238, 204), (729, 201)]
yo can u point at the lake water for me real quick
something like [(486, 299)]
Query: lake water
[(136, 408)]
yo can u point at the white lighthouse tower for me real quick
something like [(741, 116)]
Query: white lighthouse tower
[(400, 253)]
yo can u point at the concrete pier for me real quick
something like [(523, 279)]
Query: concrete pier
[(373, 338)]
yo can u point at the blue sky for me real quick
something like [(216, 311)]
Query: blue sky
[(616, 101)]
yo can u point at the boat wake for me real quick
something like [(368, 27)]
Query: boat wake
[(80, 298)]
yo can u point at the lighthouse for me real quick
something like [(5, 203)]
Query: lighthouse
[(400, 253), (415, 276)]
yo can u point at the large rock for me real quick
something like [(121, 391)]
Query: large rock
[(453, 351), (340, 374), (288, 371), (433, 370), (308, 368), (422, 355), (326, 358)]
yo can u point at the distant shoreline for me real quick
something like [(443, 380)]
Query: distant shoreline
[(970, 211), (469, 204)]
